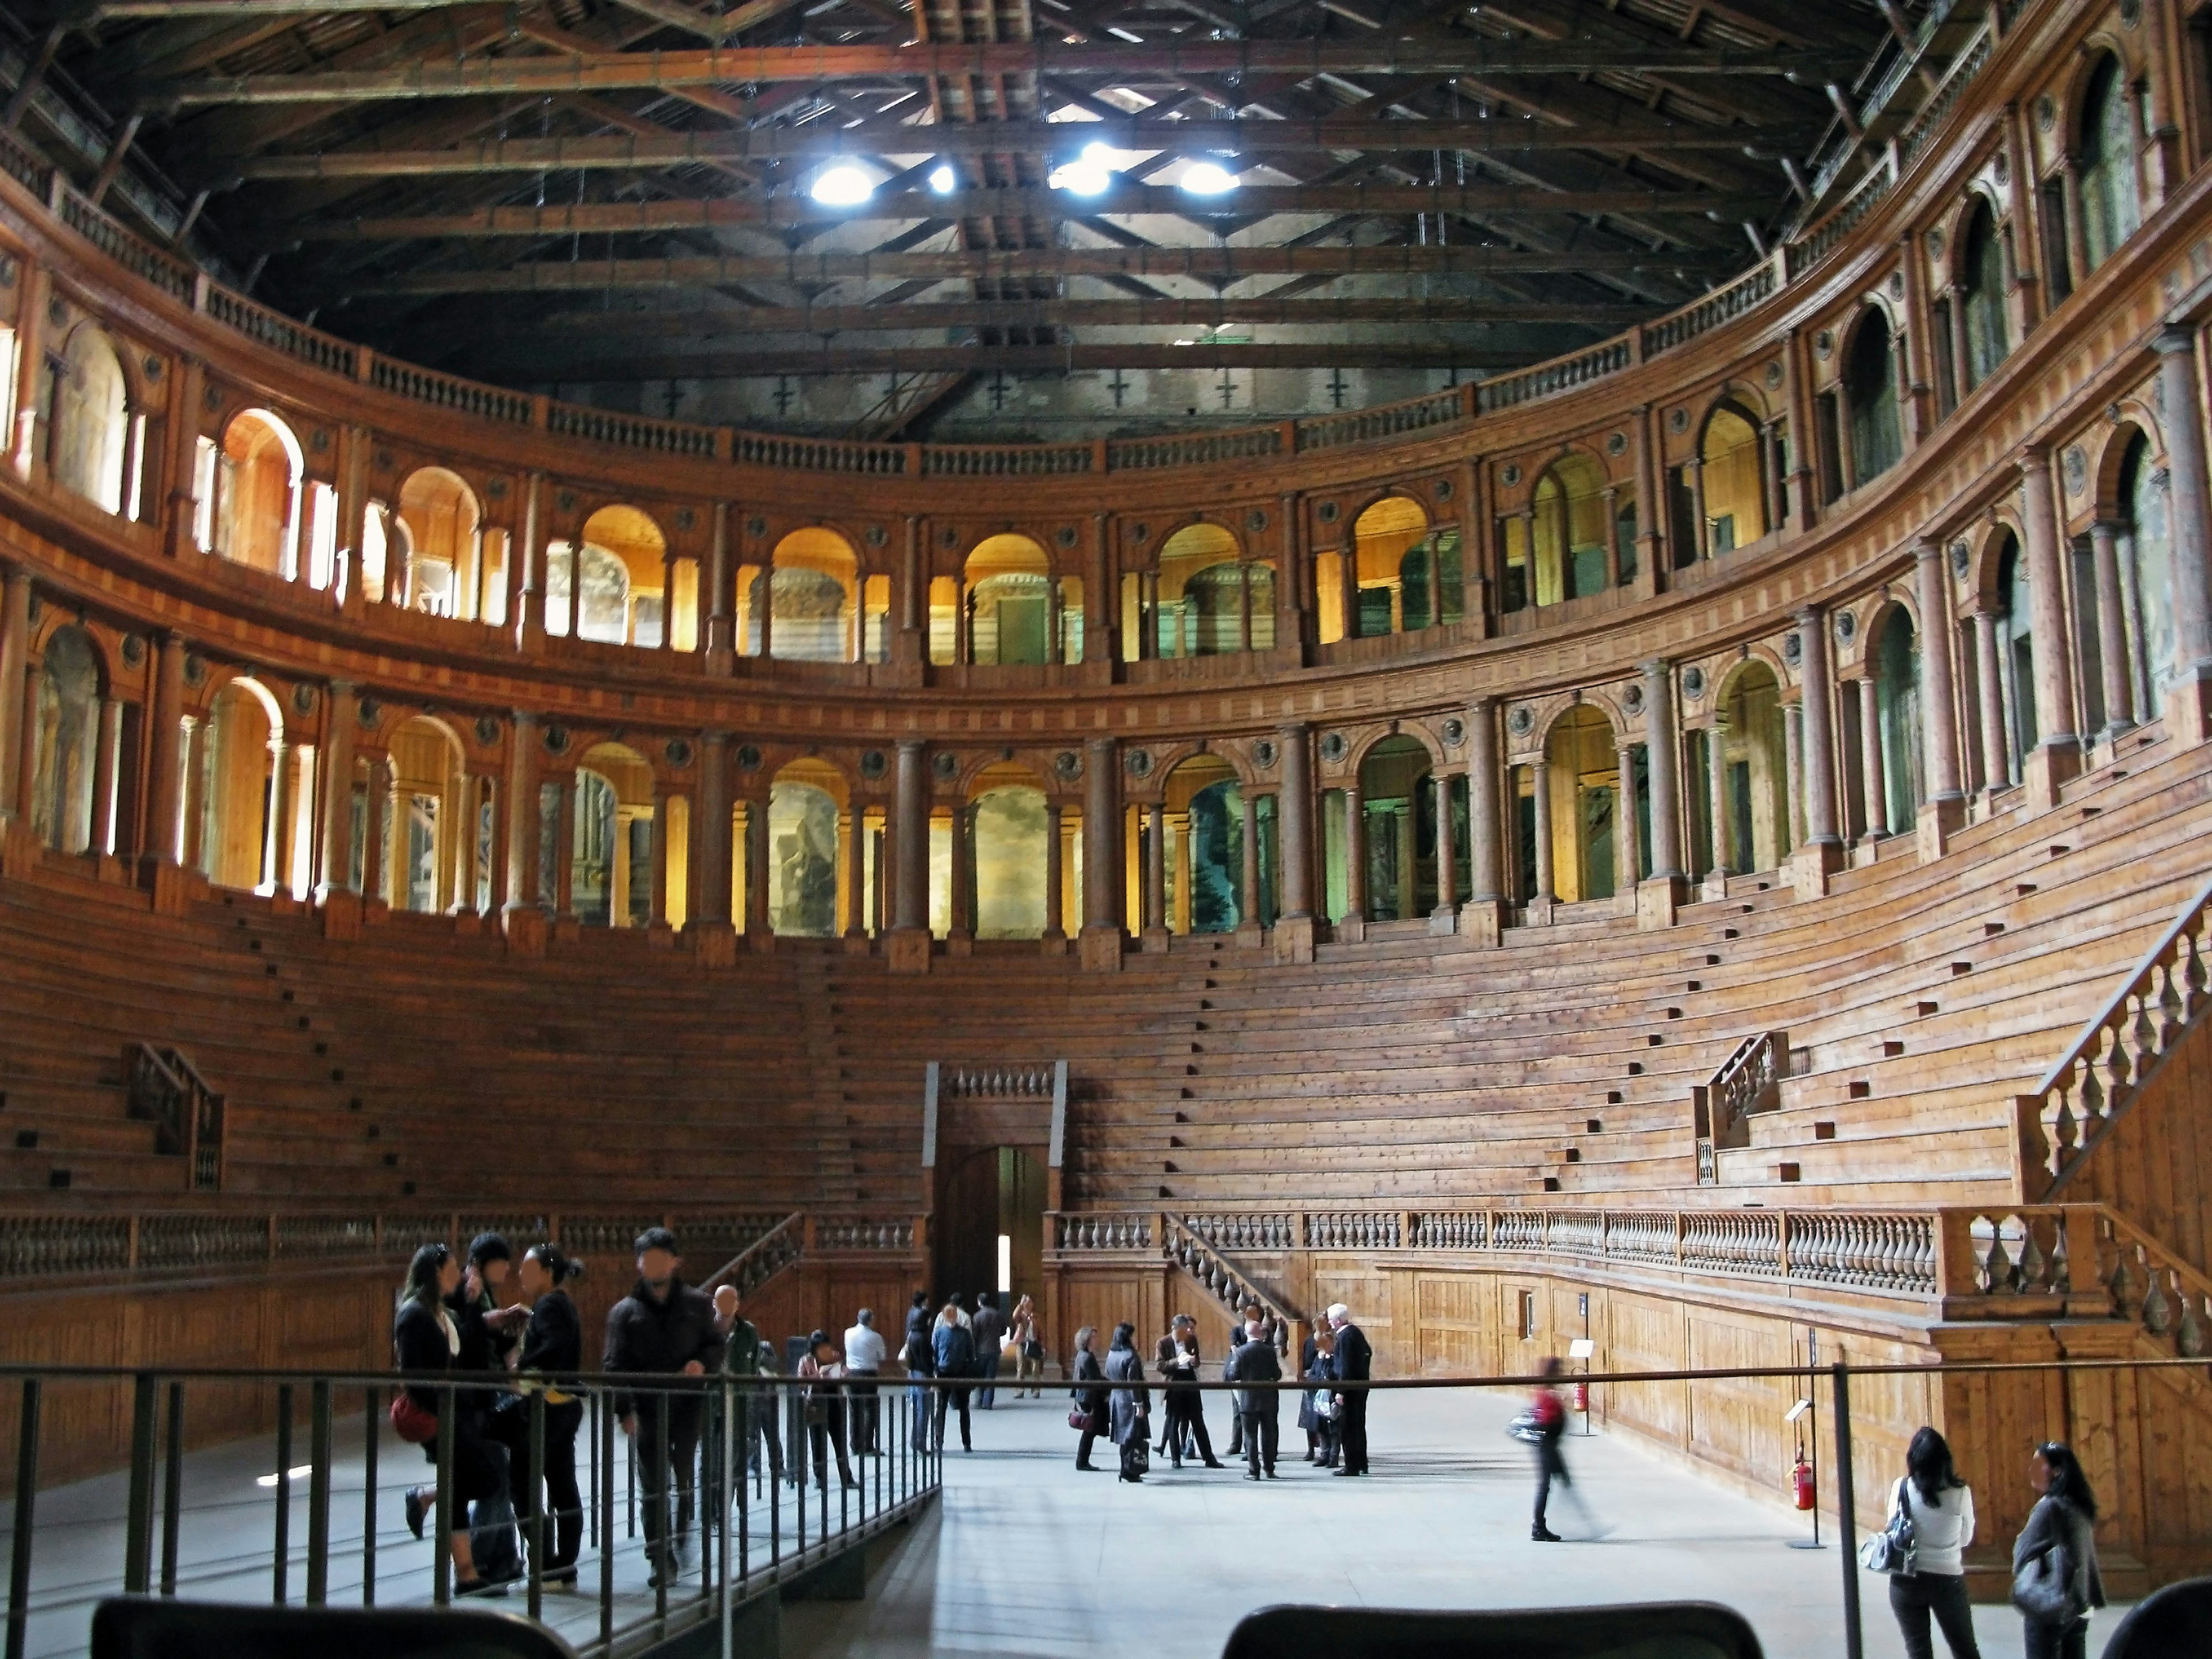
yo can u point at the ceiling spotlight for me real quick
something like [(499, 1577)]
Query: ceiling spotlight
[(1208, 178), (1090, 173), (943, 180), (842, 186)]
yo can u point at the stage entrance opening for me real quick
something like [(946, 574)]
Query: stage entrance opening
[(989, 1226)]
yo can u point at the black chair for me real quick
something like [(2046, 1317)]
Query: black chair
[(2177, 1619), (135, 1627), (1658, 1629)]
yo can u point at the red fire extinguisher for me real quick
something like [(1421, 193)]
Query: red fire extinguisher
[(1801, 1484), (1582, 1398)]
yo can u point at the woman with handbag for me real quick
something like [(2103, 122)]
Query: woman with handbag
[(1089, 1415), (1937, 1509), (553, 1347), (425, 1339), (1317, 1405), (2055, 1581), (1131, 1403)]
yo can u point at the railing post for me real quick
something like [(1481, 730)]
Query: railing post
[(537, 1502), (372, 1412), (138, 1522), (318, 1493), (172, 1489), (1846, 1516), (26, 1494), (1957, 1268), (282, 1553), (441, 1549)]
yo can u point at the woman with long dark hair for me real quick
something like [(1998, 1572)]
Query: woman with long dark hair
[(2055, 1582), (1089, 1395), (425, 1339), (552, 1350), (1131, 1402), (1943, 1512)]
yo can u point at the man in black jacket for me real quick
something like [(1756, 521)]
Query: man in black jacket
[(488, 1333), (1255, 1360), (662, 1328), (1355, 1362)]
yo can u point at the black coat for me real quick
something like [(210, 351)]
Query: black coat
[(418, 1344), (1256, 1361), (660, 1337), (553, 1343), (1092, 1400), (1355, 1360), (921, 1351)]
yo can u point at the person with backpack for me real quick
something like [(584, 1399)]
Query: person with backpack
[(1932, 1514), (2055, 1581), (1540, 1427)]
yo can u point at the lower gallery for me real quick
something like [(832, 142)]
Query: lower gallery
[(743, 939)]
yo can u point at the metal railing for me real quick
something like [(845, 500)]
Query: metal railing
[(784, 1475)]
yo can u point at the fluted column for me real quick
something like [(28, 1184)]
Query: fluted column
[(2054, 646), (1486, 816), (1662, 751), (1447, 905), (1628, 861), (334, 859), (1939, 695), (165, 814), (14, 652), (2116, 674), (910, 830), (1294, 820), (1540, 774), (2190, 519), (1819, 766), (1105, 875), (1989, 675), (1716, 812), (1874, 791), (1355, 852), (1055, 874), (279, 810)]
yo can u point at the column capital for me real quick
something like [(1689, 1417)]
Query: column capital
[(1096, 745), (2034, 457), (1295, 731), (915, 745), (2174, 339), (1656, 668), (1927, 549), (1809, 615)]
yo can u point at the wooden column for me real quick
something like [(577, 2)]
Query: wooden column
[(1055, 874), (165, 814), (192, 789), (1662, 750), (2056, 752), (334, 860), (1103, 871), (1793, 772), (1540, 773), (1148, 616), (375, 870), (1988, 676), (1293, 576), (2115, 670), (1156, 868), (22, 435), (1485, 816), (853, 848), (521, 813), (1716, 813), (1248, 886), (1700, 526), (1818, 766), (1294, 823), (2190, 505), (910, 828), (1101, 608), (1629, 863), (1939, 696), (1355, 852), (656, 902), (105, 752), (1875, 807), (1447, 905), (760, 925), (1244, 605), (279, 801), (14, 652)]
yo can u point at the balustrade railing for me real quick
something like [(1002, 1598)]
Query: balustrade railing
[(1230, 1284), (2073, 1105), (280, 333), (1561, 374), (1005, 460), (2080, 1260), (1361, 426), (1748, 1081), (426, 385), (1194, 448), (630, 431), (1102, 1230), (160, 1087), (764, 1258)]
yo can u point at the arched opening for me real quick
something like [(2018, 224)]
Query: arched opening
[(256, 515), (1896, 712), (88, 416), (2112, 191), (1398, 814), (67, 736), (1981, 293), (1557, 550), (1383, 537), (989, 1231), (1732, 479), (2016, 612), (1870, 397), (812, 588), (439, 512), (2147, 576), (611, 840), (1750, 743), (1206, 849), (1010, 602), (803, 843), (1582, 778), (236, 788), (1204, 599), (1013, 852), (611, 583), (422, 819)]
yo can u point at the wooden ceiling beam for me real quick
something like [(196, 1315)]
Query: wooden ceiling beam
[(1053, 359)]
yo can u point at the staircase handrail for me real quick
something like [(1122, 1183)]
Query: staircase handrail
[(761, 1260), (1233, 1284), (1751, 1076), (2075, 1104), (163, 1085)]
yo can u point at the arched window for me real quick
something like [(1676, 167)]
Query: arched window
[(1981, 291), (1870, 392), (1560, 551), (1897, 709), (603, 611), (1749, 746), (1446, 581), (802, 861), (438, 511), (1584, 779), (1010, 602), (1733, 475), (2147, 575), (2016, 651), (2111, 200), (257, 514), (812, 587), (67, 735), (88, 418), (1398, 830)]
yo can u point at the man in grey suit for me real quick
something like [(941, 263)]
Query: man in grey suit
[(1254, 1360), (989, 1330)]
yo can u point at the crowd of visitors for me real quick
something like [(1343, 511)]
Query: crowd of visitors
[(452, 1318)]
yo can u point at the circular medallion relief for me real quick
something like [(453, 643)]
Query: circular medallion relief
[(1847, 627), (1510, 475), (677, 752), (1617, 443), (749, 757), (1140, 763), (945, 764), (303, 698), (195, 669), (1255, 520), (1064, 535), (1678, 420), (1793, 649), (755, 527), (1333, 747), (1265, 754), (1632, 699), (557, 740), (1693, 681), (1962, 559), (1773, 373), (487, 730), (874, 763), (367, 711), (134, 650), (1327, 512), (1454, 733), (1067, 764), (1521, 721)]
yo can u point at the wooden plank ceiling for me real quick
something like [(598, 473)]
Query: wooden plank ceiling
[(602, 190)]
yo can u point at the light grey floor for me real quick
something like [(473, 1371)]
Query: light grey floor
[(1025, 1556)]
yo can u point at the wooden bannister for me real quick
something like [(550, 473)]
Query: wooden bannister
[(2076, 1105), (1749, 1080), (780, 1247), (160, 1087), (1232, 1285)]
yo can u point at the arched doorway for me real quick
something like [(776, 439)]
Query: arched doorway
[(87, 405), (1753, 771), (1582, 778), (425, 830), (812, 593), (439, 512), (802, 841), (1981, 291), (1205, 822), (610, 874), (1383, 538), (257, 515), (1398, 821), (2112, 190), (989, 1231), (67, 735), (1008, 585), (1870, 398), (1896, 712), (1557, 550), (1733, 481)]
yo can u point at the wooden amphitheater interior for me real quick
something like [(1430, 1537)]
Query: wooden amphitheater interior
[(1710, 828)]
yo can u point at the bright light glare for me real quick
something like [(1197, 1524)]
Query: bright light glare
[(300, 1473), (844, 187), (1088, 175), (943, 180), (1208, 178)]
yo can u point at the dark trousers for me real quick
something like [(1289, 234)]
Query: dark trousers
[(954, 1398), (988, 1395), (1913, 1596), (866, 1414), (564, 1503), (656, 1465), (1083, 1446), (825, 1431), (1261, 1429), (1351, 1432), (2067, 1641), (1550, 1466), (1185, 1418), (924, 1401)]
